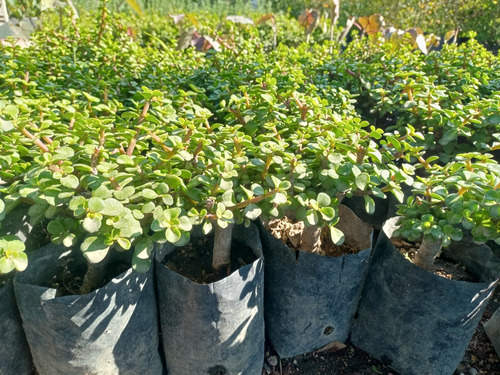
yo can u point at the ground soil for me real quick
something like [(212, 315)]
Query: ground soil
[(480, 358), (194, 260)]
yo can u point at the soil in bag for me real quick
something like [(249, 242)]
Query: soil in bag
[(194, 260), (68, 276)]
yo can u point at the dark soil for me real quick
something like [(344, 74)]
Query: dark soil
[(68, 278), (443, 267), (194, 260)]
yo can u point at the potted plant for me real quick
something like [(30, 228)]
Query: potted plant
[(13, 346), (432, 318), (326, 157), (86, 193), (213, 319)]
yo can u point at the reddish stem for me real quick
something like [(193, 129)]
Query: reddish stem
[(133, 141), (35, 140)]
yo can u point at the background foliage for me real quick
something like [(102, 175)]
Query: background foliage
[(432, 16)]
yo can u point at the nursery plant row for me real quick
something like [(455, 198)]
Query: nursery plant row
[(127, 143)]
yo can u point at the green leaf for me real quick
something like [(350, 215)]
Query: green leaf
[(5, 125), (63, 153), (91, 224), (143, 248), (173, 181), (395, 143), (55, 227), (20, 260), (135, 6), (95, 249), (257, 189), (448, 136), (124, 193), (101, 192), (268, 98), (149, 194), (184, 240), (342, 184), (124, 243), (6, 265), (279, 198), (128, 226), (11, 110), (171, 213), (185, 224), (337, 236), (369, 204), (207, 227), (398, 193), (274, 181), (323, 199), (11, 243), (77, 202), (37, 212), (70, 181), (2, 210), (362, 181), (252, 211), (148, 208), (140, 265), (162, 188), (95, 204), (172, 235), (112, 207), (457, 234), (312, 217), (327, 213), (494, 119), (125, 160), (70, 240)]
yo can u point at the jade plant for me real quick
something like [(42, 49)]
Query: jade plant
[(447, 95), (461, 197), (12, 255), (322, 155), (117, 140)]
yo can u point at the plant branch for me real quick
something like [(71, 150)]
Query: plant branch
[(133, 141), (221, 257), (35, 140)]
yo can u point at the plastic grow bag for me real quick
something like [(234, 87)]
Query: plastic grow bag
[(112, 330), (413, 320), (14, 351), (17, 223), (310, 300), (216, 328), (492, 328)]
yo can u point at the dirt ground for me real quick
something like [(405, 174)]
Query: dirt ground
[(479, 359)]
